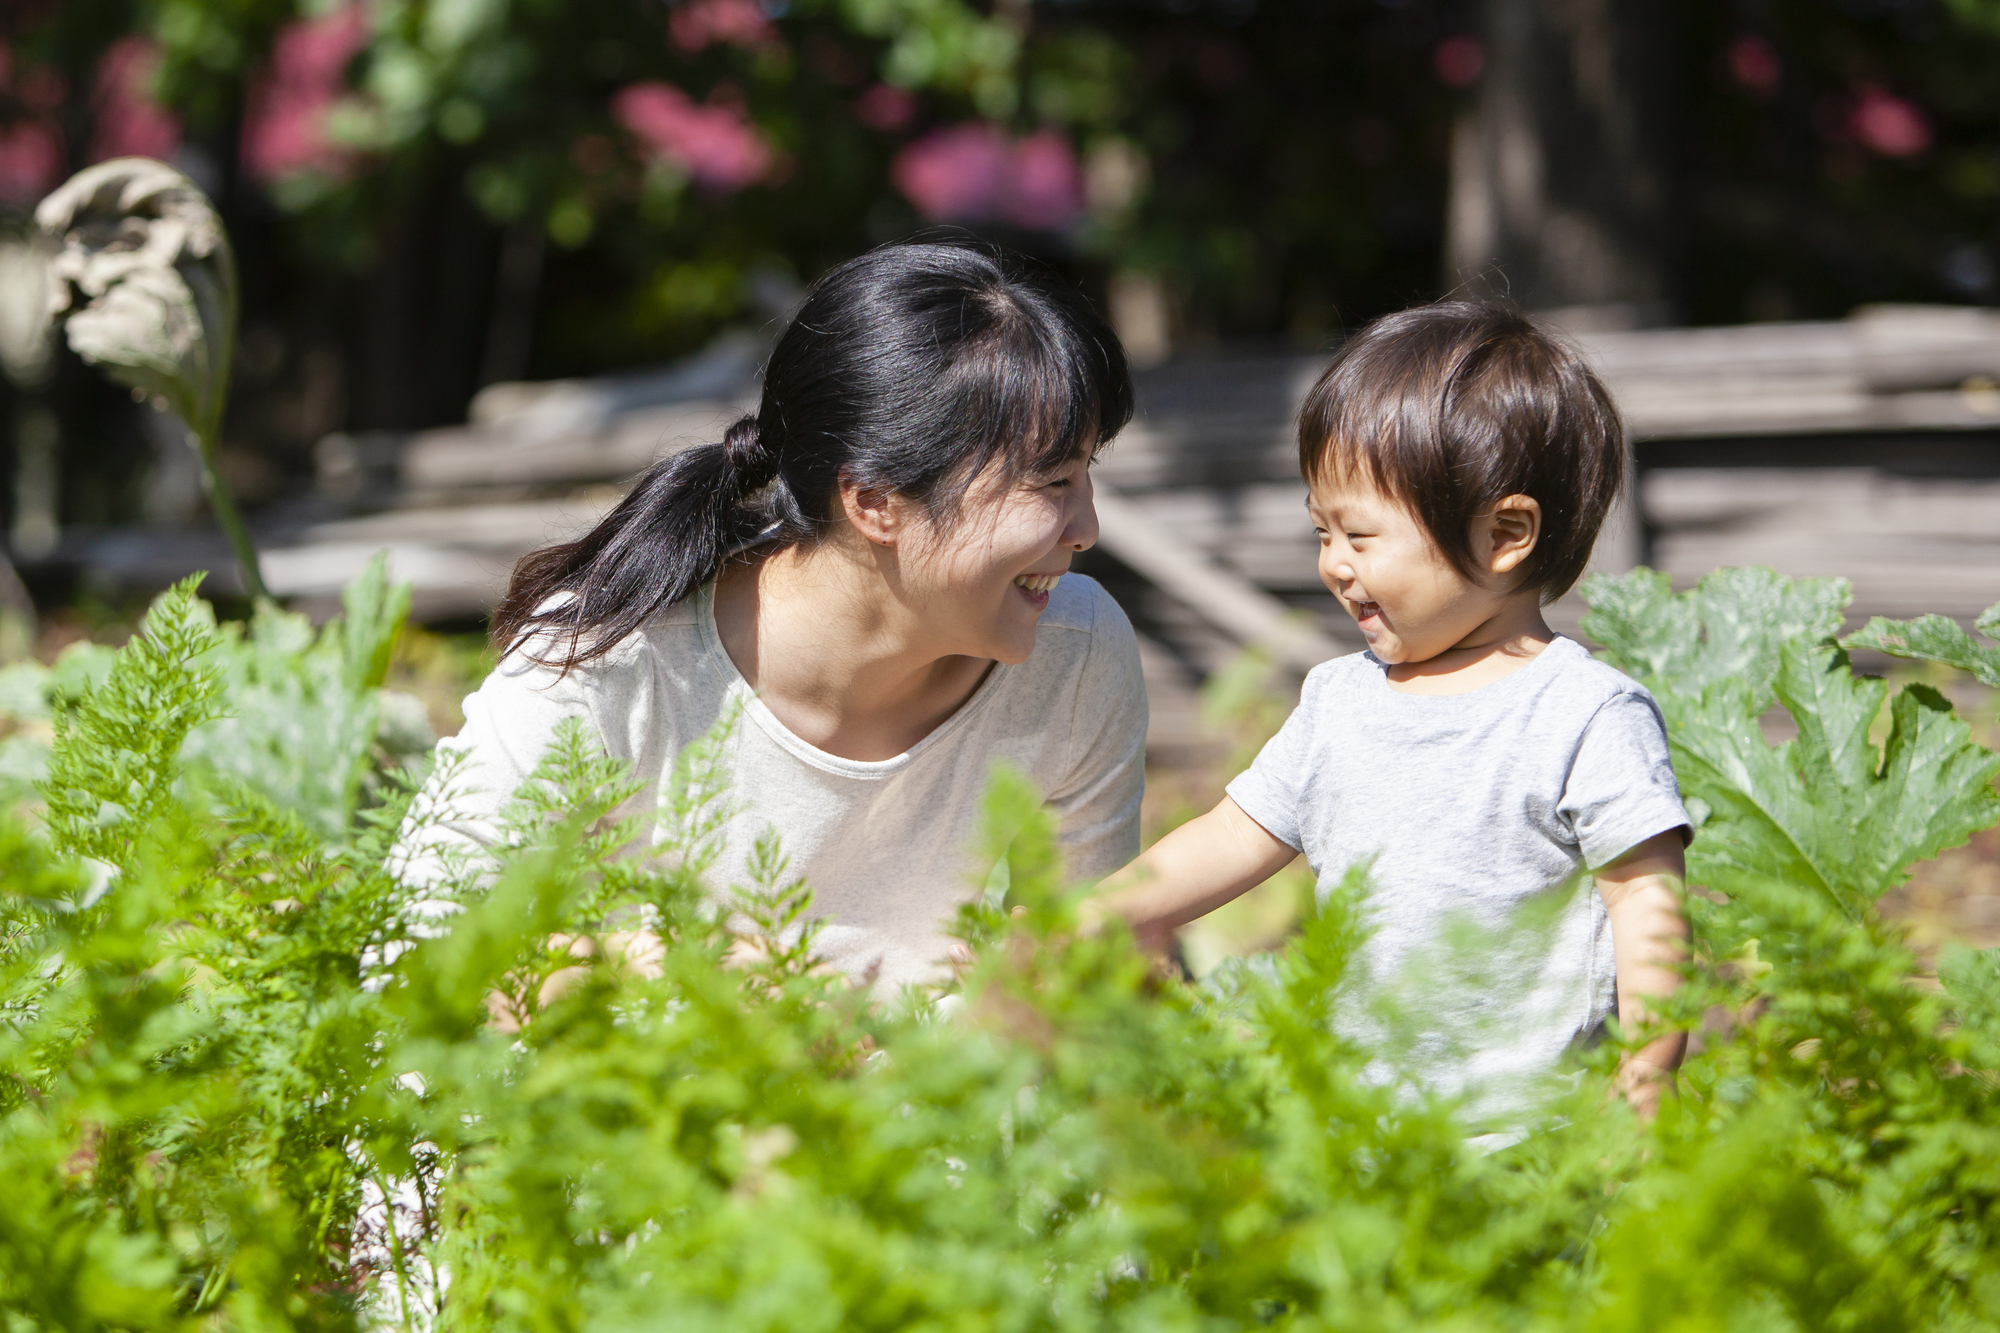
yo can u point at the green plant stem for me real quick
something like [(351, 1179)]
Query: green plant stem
[(223, 505)]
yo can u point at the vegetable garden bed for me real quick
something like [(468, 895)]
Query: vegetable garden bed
[(248, 1084)]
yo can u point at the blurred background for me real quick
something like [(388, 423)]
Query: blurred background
[(498, 255)]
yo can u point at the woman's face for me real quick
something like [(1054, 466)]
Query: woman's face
[(981, 582)]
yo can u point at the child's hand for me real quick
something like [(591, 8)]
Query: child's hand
[(1642, 1084)]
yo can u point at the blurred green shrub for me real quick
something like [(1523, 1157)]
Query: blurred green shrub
[(247, 1084)]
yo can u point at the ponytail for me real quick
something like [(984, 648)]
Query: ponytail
[(908, 371), (670, 535)]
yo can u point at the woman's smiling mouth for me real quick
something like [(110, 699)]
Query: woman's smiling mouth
[(1037, 587)]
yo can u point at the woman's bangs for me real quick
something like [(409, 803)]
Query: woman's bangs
[(1050, 407)]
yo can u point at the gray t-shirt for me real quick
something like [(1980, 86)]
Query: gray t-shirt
[(886, 845), (1479, 816)]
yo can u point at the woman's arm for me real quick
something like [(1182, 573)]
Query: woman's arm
[(1197, 868), (1649, 932)]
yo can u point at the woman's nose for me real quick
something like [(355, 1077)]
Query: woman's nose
[(1080, 532)]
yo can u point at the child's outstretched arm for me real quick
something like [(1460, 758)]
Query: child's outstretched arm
[(1192, 871), (1649, 932)]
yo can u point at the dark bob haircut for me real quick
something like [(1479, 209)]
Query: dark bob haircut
[(910, 370), (1449, 407)]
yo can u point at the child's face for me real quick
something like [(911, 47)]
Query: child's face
[(1374, 555)]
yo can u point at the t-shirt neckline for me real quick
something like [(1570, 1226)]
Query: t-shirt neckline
[(804, 750), (1558, 644)]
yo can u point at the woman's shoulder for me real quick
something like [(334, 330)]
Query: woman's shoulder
[(1083, 641), (1079, 604), (1083, 620), (670, 635)]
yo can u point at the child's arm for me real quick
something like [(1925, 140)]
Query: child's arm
[(1192, 871), (1642, 892)]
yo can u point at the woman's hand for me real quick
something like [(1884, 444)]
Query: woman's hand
[(636, 951)]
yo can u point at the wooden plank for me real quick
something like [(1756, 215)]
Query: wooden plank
[(1177, 567)]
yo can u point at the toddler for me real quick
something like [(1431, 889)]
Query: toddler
[(1459, 463)]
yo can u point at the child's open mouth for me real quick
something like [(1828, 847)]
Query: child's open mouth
[(1037, 587), (1368, 615)]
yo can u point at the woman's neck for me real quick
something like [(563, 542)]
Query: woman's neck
[(835, 656)]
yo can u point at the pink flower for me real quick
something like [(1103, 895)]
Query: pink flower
[(284, 120), (885, 107), (974, 172), (30, 161), (1458, 61), (716, 145), (1754, 65), (38, 87), (958, 172), (130, 120), (698, 23), (1886, 124), (1047, 187)]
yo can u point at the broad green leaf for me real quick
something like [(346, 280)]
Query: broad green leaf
[(1828, 809), (1730, 627), (1937, 639)]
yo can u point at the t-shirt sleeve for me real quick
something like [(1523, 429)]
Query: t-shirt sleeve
[(510, 721), (1271, 789), (1097, 805), (1621, 789)]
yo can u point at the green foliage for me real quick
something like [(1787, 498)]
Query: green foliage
[(1937, 639), (1832, 808), (249, 1083), (303, 706)]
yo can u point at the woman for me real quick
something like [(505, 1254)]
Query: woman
[(873, 569)]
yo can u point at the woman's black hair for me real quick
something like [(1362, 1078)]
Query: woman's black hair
[(908, 371)]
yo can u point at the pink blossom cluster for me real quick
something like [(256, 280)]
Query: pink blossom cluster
[(1459, 61), (284, 122), (715, 144), (977, 172), (130, 122), (1754, 64), (30, 161), (31, 148), (701, 23), (885, 107), (1884, 123)]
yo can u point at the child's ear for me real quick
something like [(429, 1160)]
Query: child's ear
[(1511, 528)]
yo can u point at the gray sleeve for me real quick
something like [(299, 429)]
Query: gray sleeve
[(1270, 790), (1097, 805), (1621, 789)]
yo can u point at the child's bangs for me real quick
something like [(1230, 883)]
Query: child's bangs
[(1376, 432)]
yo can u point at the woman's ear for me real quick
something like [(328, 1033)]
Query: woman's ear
[(1505, 535), (874, 514)]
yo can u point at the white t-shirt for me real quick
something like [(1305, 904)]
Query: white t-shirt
[(1476, 814), (885, 845)]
